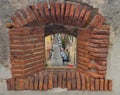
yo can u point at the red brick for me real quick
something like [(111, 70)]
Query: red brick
[(94, 75), (36, 13), (85, 59), (110, 85), (58, 14), (102, 21), (20, 84), (60, 79), (45, 4), (98, 45), (77, 12), (72, 10), (101, 72), (52, 7), (31, 15), (82, 66), (45, 82), (99, 50), (8, 84), (103, 32), (69, 86), (92, 84), (42, 15), (62, 11), (95, 21), (31, 83), (97, 84), (86, 18), (16, 20), (55, 81), (98, 36), (73, 75), (41, 81), (78, 80), (36, 83), (106, 85), (87, 82), (82, 13), (64, 79), (67, 13), (50, 82), (27, 84), (47, 12), (101, 84), (20, 18), (83, 81), (104, 27)]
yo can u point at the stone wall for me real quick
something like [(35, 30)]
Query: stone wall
[(109, 8)]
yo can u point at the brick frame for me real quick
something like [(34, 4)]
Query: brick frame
[(91, 31)]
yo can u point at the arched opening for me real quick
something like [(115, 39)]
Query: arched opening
[(31, 25), (60, 51)]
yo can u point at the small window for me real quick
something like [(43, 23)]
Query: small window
[(60, 51)]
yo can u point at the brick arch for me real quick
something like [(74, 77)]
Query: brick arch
[(78, 15), (35, 22)]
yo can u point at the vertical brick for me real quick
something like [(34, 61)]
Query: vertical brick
[(73, 80), (86, 18), (65, 79), (60, 79), (97, 84), (101, 84), (30, 14), (69, 86), (102, 21), (47, 12), (37, 13), (82, 14), (42, 15), (55, 80), (106, 85), (52, 8), (92, 84), (58, 11), (63, 6), (20, 84), (95, 21), (78, 80), (87, 82), (36, 83), (67, 13), (83, 81), (77, 12), (27, 84), (110, 85), (71, 15), (31, 79), (20, 18), (41, 78), (13, 83), (8, 84), (16, 20), (45, 82), (50, 84)]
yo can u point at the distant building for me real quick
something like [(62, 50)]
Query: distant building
[(71, 48), (48, 46)]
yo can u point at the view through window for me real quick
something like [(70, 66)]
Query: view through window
[(60, 51)]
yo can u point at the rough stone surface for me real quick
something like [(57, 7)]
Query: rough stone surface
[(109, 8)]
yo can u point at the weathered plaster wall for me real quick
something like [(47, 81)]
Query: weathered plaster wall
[(109, 8)]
